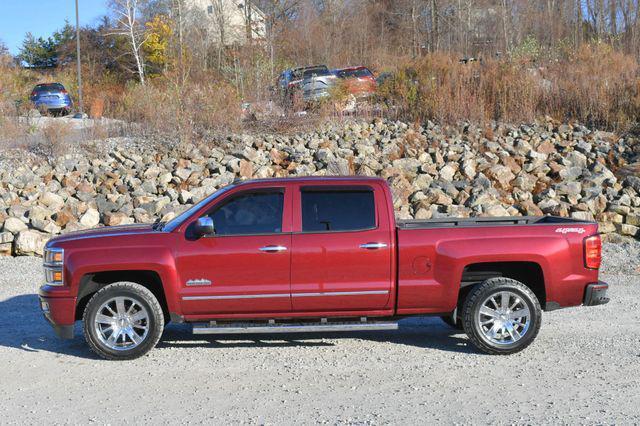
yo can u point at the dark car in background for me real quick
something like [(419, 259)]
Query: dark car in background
[(52, 98), (383, 77), (359, 81)]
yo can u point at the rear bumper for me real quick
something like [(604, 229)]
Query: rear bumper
[(596, 294), (60, 313), (52, 105)]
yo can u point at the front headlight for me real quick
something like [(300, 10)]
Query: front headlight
[(54, 266)]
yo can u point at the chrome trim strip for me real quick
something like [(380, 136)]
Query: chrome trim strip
[(236, 296), (340, 293), (267, 296), (54, 266)]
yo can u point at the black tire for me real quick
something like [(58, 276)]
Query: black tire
[(448, 319), (131, 292), (471, 317)]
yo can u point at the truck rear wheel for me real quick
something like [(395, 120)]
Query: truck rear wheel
[(123, 321), (501, 316)]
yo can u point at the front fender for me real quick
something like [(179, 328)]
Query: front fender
[(158, 259)]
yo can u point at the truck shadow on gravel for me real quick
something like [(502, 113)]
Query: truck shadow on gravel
[(421, 332), (23, 327)]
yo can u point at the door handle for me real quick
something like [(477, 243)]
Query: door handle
[(373, 246), (273, 249)]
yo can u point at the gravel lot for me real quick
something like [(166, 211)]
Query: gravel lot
[(583, 368)]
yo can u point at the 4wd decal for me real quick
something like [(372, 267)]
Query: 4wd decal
[(570, 230)]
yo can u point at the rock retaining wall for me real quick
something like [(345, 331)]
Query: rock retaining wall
[(545, 168)]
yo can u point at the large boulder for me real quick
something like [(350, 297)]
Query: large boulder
[(90, 218), (14, 225), (30, 242), (52, 201)]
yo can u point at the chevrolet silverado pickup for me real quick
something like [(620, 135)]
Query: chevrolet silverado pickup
[(316, 254)]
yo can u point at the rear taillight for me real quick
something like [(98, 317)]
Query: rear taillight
[(592, 252), (64, 91), (33, 94)]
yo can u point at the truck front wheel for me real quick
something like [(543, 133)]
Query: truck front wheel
[(123, 321), (501, 316)]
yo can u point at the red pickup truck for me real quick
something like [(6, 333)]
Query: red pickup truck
[(316, 254)]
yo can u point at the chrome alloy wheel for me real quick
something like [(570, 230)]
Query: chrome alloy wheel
[(503, 318), (121, 323)]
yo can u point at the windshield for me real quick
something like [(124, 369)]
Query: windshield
[(177, 221)]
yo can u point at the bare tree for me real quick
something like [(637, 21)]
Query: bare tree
[(178, 12), (221, 22), (128, 24), (435, 26), (278, 14)]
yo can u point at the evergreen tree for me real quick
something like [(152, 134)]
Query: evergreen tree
[(48, 53)]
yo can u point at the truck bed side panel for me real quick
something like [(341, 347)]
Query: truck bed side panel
[(431, 261)]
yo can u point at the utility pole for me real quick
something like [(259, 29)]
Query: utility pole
[(80, 104)]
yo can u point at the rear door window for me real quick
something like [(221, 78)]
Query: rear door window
[(337, 210)]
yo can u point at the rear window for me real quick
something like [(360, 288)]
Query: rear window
[(317, 72), (337, 210), (308, 72), (349, 73), (54, 87)]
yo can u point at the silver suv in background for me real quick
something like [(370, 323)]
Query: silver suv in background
[(316, 85), (307, 84)]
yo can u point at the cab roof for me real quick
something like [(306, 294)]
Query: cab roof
[(310, 179)]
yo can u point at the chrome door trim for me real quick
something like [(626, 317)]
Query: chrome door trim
[(236, 296), (266, 296), (340, 293)]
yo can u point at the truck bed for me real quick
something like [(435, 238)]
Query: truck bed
[(453, 222)]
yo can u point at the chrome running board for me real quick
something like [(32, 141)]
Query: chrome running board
[(303, 327)]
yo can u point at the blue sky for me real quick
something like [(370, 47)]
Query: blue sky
[(43, 17)]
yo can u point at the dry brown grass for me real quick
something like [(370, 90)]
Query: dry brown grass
[(55, 139), (596, 85), (181, 110)]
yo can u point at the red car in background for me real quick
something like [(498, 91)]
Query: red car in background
[(359, 80)]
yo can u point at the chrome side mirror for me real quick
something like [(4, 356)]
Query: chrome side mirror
[(204, 226)]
